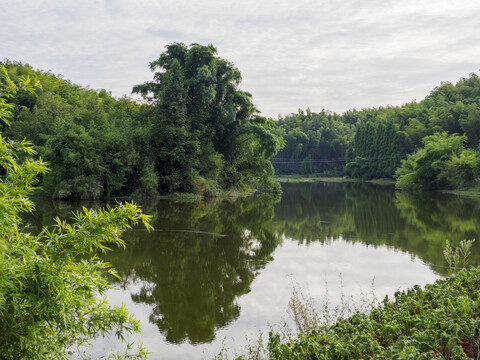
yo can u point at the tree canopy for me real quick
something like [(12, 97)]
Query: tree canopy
[(371, 143), (206, 132), (198, 132)]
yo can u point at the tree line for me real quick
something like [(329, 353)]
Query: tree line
[(196, 131), (428, 144)]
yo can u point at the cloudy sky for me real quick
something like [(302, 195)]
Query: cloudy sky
[(322, 54)]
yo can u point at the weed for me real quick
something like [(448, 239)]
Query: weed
[(457, 257), (303, 312)]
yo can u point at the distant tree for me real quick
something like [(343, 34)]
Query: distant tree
[(422, 169), (322, 139), (376, 151)]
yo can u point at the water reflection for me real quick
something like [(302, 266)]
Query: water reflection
[(418, 223), (198, 261), (204, 257)]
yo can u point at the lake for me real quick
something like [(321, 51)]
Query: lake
[(216, 272)]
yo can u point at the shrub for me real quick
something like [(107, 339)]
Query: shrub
[(51, 285)]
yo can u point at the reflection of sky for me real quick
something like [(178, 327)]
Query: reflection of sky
[(352, 268)]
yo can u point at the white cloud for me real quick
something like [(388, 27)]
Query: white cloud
[(320, 54)]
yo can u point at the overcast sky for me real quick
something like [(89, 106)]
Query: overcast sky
[(333, 55)]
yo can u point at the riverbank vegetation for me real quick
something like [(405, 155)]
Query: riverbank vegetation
[(196, 132), (52, 285), (437, 321), (431, 144)]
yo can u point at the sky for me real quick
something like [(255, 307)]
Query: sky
[(318, 54)]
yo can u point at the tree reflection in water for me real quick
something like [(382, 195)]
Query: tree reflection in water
[(417, 223), (191, 279)]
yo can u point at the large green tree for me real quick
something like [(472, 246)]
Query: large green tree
[(205, 130)]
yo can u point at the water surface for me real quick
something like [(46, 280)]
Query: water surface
[(215, 272)]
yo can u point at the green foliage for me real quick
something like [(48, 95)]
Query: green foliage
[(306, 165), (198, 123), (315, 143), (203, 126), (91, 140), (438, 321), (376, 151), (426, 168), (51, 285), (9, 89), (148, 182), (370, 143), (460, 170)]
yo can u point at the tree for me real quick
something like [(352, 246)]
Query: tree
[(204, 128), (91, 140), (376, 151), (51, 285), (422, 169), (176, 152), (320, 137)]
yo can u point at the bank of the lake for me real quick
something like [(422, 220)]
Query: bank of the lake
[(438, 321), (297, 178), (472, 191)]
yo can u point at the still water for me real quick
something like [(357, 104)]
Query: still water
[(216, 272)]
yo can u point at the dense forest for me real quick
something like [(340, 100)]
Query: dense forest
[(428, 144), (196, 132)]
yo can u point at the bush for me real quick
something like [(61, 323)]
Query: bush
[(51, 285), (421, 169), (458, 171)]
